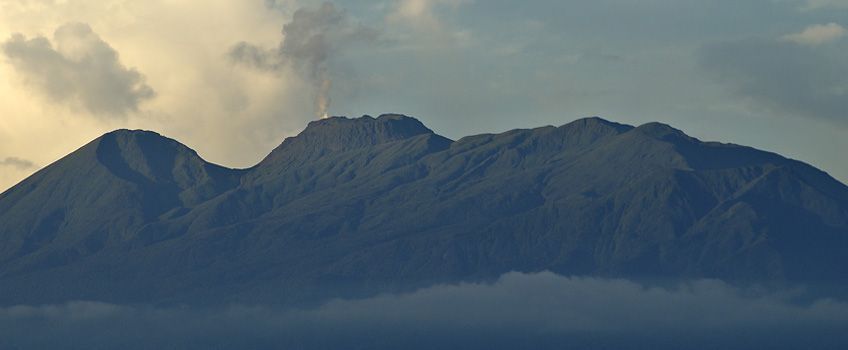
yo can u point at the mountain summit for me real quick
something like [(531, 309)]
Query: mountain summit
[(366, 205), (337, 134)]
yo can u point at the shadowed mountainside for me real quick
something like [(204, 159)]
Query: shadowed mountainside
[(367, 205)]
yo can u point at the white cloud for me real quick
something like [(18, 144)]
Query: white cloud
[(81, 70), (817, 34), (539, 310), (180, 47)]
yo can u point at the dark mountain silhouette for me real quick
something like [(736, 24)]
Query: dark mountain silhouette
[(357, 206)]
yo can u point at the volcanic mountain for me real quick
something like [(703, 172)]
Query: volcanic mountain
[(367, 205)]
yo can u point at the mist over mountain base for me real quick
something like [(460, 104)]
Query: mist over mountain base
[(541, 310)]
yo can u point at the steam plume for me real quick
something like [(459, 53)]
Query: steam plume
[(312, 41), (322, 98)]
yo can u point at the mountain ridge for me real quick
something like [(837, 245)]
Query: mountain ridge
[(372, 203)]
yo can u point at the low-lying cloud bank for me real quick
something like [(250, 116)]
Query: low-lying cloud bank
[(540, 310)]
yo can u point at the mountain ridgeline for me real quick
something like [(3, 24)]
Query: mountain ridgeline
[(367, 205)]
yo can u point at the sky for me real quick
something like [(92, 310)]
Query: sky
[(231, 79)]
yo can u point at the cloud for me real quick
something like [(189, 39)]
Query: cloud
[(782, 77), (540, 310), (312, 40), (13, 169), (549, 302), (817, 34), (230, 116), (81, 69), (255, 57), (18, 163)]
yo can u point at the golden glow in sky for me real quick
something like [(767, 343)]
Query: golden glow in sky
[(232, 78)]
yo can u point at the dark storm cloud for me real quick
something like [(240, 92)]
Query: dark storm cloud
[(312, 38), (783, 76), (79, 68), (18, 163), (527, 310)]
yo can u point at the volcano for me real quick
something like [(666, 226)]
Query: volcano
[(366, 205)]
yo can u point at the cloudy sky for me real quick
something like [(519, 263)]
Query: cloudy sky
[(231, 78)]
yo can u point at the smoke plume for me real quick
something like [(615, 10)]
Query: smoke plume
[(312, 41)]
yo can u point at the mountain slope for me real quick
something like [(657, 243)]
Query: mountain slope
[(101, 195), (358, 206)]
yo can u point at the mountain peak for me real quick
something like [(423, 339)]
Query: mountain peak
[(598, 122), (366, 129), (661, 131), (134, 133), (584, 132), (137, 141), (338, 133), (137, 154)]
